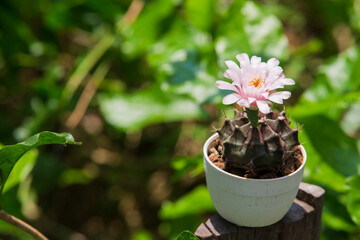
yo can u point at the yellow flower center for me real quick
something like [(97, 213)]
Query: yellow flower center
[(256, 82)]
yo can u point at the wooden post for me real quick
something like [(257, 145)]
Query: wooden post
[(302, 222)]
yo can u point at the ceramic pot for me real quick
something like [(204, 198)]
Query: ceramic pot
[(250, 202)]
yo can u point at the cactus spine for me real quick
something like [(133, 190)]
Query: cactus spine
[(257, 145)]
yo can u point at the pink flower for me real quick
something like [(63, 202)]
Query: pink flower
[(254, 83)]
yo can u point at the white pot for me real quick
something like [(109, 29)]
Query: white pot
[(250, 202)]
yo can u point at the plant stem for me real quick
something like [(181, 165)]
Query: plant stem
[(22, 225), (85, 66), (86, 96), (253, 116), (133, 11)]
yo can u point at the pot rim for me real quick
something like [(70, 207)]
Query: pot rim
[(205, 153)]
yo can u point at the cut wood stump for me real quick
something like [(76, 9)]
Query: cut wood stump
[(302, 221)]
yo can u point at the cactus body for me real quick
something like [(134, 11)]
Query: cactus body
[(263, 147)]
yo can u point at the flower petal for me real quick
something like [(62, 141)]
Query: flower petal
[(243, 59), (287, 81), (265, 94), (232, 65), (255, 60), (275, 71), (226, 74), (234, 72), (246, 92), (244, 103), (226, 86), (278, 97), (272, 62), (232, 75), (275, 85), (263, 107), (231, 98), (251, 100)]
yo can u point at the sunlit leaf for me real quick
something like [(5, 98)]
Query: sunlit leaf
[(10, 154), (317, 170), (145, 30), (181, 43), (337, 222), (143, 108), (335, 213), (188, 204), (200, 13), (187, 235), (264, 31), (142, 235), (7, 228), (333, 106), (21, 169), (339, 76), (250, 28), (353, 198), (350, 122), (183, 61), (74, 176), (184, 165), (334, 146)]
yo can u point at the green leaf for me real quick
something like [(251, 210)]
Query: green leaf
[(142, 235), (338, 76), (200, 13), (317, 170), (74, 176), (187, 165), (335, 214), (137, 38), (187, 235), (196, 202), (334, 146), (333, 106), (264, 31), (183, 62), (143, 108), (250, 28), (22, 169), (6, 229), (337, 222), (350, 122), (353, 198), (9, 155)]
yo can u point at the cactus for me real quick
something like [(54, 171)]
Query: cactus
[(258, 143), (262, 147)]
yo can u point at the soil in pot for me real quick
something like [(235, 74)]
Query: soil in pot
[(292, 163)]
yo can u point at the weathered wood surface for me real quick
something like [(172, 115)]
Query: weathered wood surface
[(302, 222)]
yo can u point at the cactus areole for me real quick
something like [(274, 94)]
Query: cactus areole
[(258, 142)]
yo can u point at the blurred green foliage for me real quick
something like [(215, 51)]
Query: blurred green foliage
[(186, 235), (135, 82), (11, 154)]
